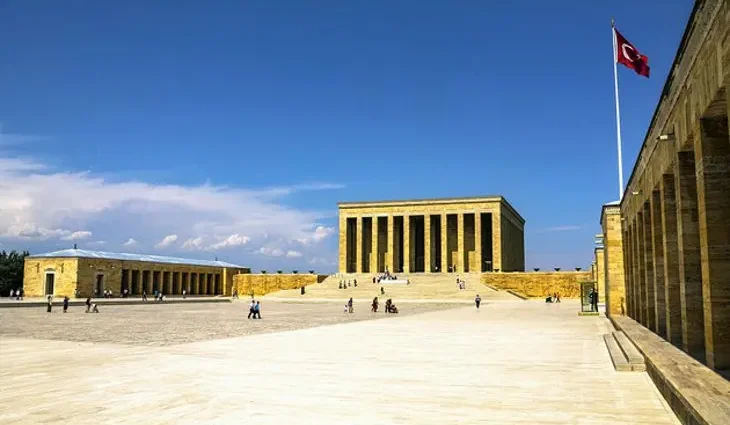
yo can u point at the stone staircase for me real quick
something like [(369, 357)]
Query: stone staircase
[(423, 286), (625, 356)]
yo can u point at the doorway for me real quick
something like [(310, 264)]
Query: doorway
[(50, 283), (99, 284)]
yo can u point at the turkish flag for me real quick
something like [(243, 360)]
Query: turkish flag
[(627, 55)]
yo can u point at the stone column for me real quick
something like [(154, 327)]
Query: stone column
[(406, 244), (629, 266), (463, 258), (613, 261), (478, 241), (648, 268), (390, 257), (427, 243), (358, 246), (342, 259), (600, 256), (639, 254), (374, 251), (496, 240), (657, 248), (444, 245), (690, 264), (187, 283), (671, 269), (712, 156)]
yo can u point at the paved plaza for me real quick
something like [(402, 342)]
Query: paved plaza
[(510, 363)]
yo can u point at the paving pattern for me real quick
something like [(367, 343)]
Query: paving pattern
[(510, 363), (169, 324)]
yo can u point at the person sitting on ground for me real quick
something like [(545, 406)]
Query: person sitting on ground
[(346, 308), (393, 309), (548, 299), (94, 308)]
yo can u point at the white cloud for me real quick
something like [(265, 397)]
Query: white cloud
[(233, 240), (193, 244), (271, 252), (166, 241), (130, 242), (319, 234), (293, 254), (320, 261), (39, 203), (75, 236)]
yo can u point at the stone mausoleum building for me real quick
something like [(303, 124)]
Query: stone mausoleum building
[(461, 235), (61, 273)]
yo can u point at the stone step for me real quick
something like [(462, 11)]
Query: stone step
[(636, 360), (620, 363)]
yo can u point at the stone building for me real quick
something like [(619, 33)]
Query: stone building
[(61, 273), (431, 236), (676, 210)]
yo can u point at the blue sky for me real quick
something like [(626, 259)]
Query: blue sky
[(232, 128)]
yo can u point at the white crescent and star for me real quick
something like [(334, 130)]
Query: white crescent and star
[(633, 56)]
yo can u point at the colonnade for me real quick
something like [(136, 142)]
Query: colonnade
[(171, 282)]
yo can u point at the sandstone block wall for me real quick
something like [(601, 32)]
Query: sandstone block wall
[(539, 284), (262, 284), (65, 271)]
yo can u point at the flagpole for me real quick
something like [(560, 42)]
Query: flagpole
[(618, 116)]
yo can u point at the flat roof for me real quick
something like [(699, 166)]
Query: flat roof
[(83, 253), (485, 198)]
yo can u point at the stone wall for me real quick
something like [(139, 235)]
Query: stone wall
[(65, 271), (539, 284), (262, 284)]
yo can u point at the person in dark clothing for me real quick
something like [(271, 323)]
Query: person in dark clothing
[(257, 310), (349, 306), (374, 308), (594, 300), (382, 291), (65, 304), (477, 301), (88, 304), (50, 304)]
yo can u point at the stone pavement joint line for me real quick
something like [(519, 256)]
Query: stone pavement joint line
[(510, 363)]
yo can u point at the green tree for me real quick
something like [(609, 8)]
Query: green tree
[(11, 271)]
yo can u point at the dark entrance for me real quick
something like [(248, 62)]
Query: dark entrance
[(50, 283)]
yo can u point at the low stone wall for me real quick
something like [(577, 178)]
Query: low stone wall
[(539, 284), (262, 284)]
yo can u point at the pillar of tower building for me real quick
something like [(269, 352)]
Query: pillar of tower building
[(657, 248), (627, 268), (690, 264), (358, 245), (342, 236), (427, 243), (406, 244), (648, 268), (444, 244), (712, 170), (478, 242), (496, 240), (671, 261), (390, 257), (374, 251), (613, 269), (462, 254)]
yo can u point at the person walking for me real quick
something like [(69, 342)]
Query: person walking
[(88, 304), (144, 295), (65, 304), (184, 292), (478, 301), (17, 295), (252, 309), (257, 310), (50, 304), (350, 309), (374, 308), (594, 300)]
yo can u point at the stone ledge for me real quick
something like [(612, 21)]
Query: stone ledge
[(75, 302), (698, 395)]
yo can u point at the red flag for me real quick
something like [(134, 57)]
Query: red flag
[(627, 55)]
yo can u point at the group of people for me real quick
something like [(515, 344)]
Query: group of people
[(389, 306), (555, 298), (254, 309), (344, 284), (384, 277), (18, 294), (90, 307)]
